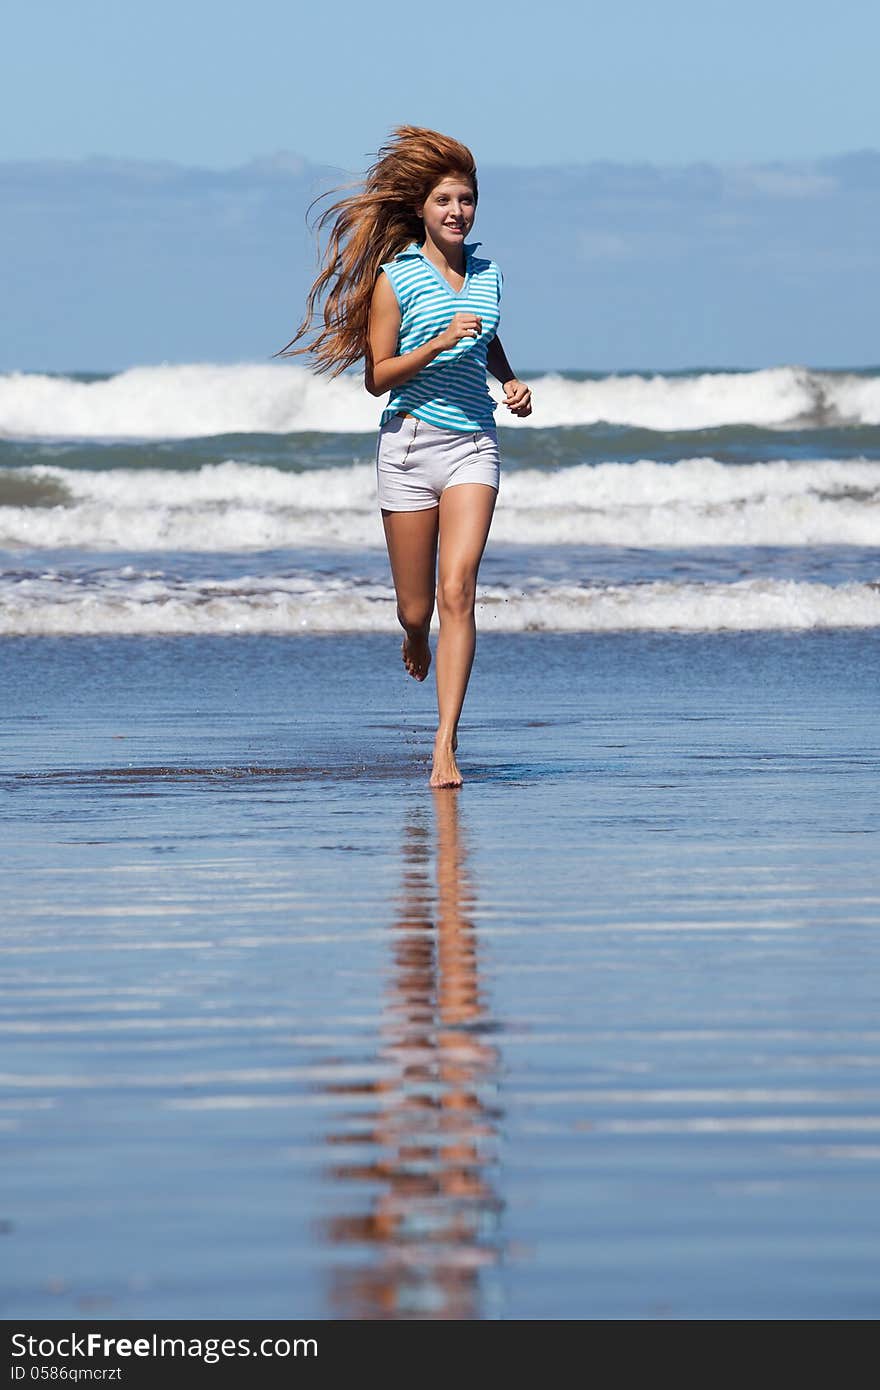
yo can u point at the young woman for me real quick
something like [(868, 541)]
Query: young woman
[(409, 295)]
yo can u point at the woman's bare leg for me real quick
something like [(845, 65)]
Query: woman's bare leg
[(411, 538), (465, 517)]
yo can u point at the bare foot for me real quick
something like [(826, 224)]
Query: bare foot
[(445, 772), (416, 654)]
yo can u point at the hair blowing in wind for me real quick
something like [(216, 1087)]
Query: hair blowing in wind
[(368, 228)]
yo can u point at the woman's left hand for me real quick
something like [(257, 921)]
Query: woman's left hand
[(517, 398)]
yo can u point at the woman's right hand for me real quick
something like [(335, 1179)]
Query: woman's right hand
[(462, 326)]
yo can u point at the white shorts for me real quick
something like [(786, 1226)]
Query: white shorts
[(415, 461)]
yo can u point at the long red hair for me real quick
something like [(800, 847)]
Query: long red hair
[(369, 227)]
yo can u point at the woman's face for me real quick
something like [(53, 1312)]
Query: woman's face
[(449, 211)]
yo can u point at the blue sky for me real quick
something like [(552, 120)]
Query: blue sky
[(215, 83), (662, 183)]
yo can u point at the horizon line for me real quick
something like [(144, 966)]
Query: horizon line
[(294, 162)]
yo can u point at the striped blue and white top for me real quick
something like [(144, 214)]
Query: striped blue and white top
[(451, 391)]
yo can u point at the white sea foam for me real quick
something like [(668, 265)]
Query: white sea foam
[(184, 402), (237, 507), (773, 397), (204, 399), (129, 602)]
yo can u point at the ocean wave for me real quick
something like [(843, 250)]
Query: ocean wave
[(235, 506), (203, 399), (127, 601)]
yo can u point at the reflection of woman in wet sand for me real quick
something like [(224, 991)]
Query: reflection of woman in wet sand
[(412, 299), (433, 1215)]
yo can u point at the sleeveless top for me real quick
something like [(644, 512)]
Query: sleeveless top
[(451, 391)]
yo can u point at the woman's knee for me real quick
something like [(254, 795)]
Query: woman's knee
[(456, 595), (413, 613)]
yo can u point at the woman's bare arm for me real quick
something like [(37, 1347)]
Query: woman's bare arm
[(383, 370), (496, 361), (517, 396)]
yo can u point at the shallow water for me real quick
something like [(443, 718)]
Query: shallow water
[(286, 1034)]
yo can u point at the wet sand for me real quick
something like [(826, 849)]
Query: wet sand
[(287, 1034)]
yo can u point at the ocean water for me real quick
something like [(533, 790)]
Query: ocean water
[(211, 499), (286, 1034)]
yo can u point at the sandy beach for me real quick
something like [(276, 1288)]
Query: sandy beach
[(286, 1034)]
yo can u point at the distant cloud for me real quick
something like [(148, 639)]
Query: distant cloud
[(109, 263), (778, 182), (282, 162)]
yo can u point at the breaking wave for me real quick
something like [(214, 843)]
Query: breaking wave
[(235, 506), (203, 399)]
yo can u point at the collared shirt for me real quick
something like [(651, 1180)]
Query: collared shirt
[(451, 391)]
